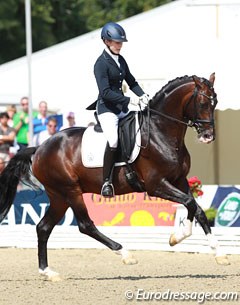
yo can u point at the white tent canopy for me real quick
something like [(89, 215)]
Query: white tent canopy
[(183, 37)]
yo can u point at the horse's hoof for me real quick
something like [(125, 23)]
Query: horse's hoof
[(50, 275), (172, 240), (127, 257), (131, 260), (55, 278), (222, 260)]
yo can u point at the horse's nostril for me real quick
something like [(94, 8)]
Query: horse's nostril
[(207, 135)]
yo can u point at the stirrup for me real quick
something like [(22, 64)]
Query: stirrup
[(107, 190)]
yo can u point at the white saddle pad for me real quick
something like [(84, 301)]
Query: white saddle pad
[(94, 144)]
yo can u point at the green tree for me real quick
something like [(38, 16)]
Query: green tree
[(11, 34), (54, 21), (12, 28)]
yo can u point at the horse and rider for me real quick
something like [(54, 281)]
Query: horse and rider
[(161, 166)]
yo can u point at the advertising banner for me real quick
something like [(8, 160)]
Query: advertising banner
[(224, 201), (133, 209), (227, 203)]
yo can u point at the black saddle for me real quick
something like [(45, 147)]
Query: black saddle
[(126, 135)]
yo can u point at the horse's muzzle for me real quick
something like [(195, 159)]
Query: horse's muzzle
[(206, 136)]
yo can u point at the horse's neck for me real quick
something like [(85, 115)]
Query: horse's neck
[(167, 123), (174, 102), (168, 119), (159, 130), (170, 131)]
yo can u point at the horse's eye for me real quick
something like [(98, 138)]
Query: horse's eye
[(204, 104)]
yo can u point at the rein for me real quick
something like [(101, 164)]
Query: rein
[(188, 124), (195, 121), (191, 123)]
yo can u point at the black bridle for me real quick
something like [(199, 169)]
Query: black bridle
[(194, 122)]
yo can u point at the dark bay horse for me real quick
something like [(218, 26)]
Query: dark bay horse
[(162, 166)]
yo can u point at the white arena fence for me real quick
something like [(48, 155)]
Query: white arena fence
[(135, 238)]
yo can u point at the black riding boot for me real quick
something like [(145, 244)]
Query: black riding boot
[(108, 164)]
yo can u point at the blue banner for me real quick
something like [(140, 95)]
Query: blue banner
[(39, 125), (30, 206)]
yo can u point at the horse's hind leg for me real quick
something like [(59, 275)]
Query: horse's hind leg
[(53, 215), (86, 226)]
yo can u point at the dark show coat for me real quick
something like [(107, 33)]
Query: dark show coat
[(109, 77)]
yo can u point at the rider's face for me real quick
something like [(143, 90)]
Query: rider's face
[(114, 46)]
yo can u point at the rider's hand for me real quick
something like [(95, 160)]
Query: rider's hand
[(144, 99), (135, 101)]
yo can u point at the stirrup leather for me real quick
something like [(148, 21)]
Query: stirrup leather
[(107, 189)]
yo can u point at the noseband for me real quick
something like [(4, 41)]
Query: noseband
[(195, 122)]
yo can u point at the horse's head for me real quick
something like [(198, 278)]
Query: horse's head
[(190, 101), (200, 108)]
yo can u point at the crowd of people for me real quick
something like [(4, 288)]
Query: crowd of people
[(14, 128)]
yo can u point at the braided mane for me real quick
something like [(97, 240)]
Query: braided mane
[(172, 84), (178, 81)]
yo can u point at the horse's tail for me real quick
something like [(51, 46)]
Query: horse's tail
[(17, 169)]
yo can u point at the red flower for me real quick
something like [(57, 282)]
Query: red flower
[(195, 186)]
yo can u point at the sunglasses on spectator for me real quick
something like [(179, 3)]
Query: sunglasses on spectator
[(50, 125), (24, 104)]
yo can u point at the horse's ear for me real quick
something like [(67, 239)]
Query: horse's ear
[(212, 78), (197, 81)]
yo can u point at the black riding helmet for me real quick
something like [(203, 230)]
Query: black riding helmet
[(113, 31)]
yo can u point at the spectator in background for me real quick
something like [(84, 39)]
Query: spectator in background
[(21, 123), (7, 136), (45, 134), (71, 121), (43, 109), (40, 122), (11, 110)]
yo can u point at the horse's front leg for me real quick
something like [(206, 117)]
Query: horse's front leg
[(186, 231), (168, 191), (213, 242)]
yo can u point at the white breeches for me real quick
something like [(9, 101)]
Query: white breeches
[(109, 123)]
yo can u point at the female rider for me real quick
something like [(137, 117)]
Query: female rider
[(110, 70)]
